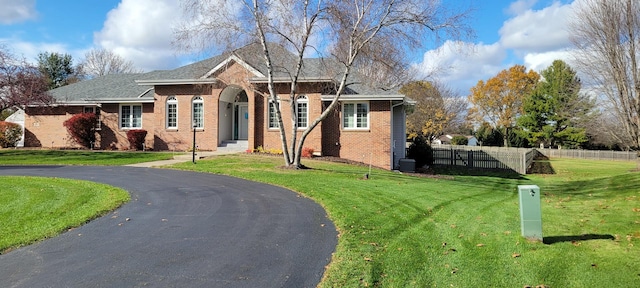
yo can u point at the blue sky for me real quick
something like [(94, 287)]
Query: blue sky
[(529, 32)]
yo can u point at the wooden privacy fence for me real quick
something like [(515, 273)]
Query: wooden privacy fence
[(590, 154), (515, 159), (476, 157)]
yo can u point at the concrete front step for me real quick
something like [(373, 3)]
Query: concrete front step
[(234, 144)]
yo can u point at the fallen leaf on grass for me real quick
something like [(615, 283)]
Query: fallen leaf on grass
[(515, 255), (575, 243), (480, 245)]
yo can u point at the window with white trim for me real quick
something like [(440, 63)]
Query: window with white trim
[(197, 112), (130, 116), (172, 113), (355, 115), (273, 119), (302, 111), (95, 110)]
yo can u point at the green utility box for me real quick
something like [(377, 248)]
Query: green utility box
[(530, 212)]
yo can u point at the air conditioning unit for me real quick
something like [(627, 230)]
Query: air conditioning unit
[(407, 165)]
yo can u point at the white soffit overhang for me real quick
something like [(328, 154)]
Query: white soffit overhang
[(259, 80), (161, 82), (358, 97)]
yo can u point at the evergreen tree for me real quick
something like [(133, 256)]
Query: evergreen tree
[(554, 111), (58, 69)]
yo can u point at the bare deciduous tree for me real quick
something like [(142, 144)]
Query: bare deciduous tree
[(99, 62), (21, 84), (607, 35), (366, 36)]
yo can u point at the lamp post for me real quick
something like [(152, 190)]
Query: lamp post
[(193, 155)]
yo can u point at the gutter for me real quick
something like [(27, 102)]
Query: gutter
[(262, 80), (161, 82), (396, 97)]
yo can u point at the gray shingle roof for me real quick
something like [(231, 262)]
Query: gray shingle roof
[(113, 86), (124, 86)]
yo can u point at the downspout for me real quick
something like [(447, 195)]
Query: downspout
[(393, 140)]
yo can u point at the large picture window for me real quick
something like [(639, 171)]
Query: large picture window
[(197, 115), (302, 111), (172, 113), (130, 116), (355, 115)]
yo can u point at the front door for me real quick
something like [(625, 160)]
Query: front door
[(242, 122)]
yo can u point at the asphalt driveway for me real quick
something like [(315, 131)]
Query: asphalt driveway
[(181, 229)]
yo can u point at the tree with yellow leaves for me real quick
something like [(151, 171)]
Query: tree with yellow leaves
[(499, 100), (430, 116)]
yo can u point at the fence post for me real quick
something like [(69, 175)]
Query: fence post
[(453, 157)]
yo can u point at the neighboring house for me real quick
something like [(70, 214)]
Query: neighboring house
[(226, 98), (446, 140), (18, 118)]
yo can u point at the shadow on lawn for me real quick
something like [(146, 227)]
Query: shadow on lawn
[(584, 237), (462, 171)]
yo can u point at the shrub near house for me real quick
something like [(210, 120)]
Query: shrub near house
[(81, 127), (10, 134)]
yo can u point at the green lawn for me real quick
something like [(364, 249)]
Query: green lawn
[(77, 157), (34, 208), (464, 231), (399, 230)]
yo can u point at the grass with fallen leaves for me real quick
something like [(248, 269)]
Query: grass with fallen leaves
[(78, 157), (399, 230)]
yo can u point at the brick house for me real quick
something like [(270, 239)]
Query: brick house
[(226, 98)]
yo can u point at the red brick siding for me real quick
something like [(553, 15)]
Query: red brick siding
[(371, 145), (44, 127), (181, 139), (110, 134), (272, 136)]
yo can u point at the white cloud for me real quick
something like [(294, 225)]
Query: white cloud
[(530, 37), (30, 50), (14, 11), (520, 6), (540, 61), (461, 65), (142, 31), (538, 31)]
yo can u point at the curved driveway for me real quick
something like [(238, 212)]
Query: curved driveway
[(181, 229)]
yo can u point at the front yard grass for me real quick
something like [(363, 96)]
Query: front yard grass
[(78, 157), (399, 230), (35, 208)]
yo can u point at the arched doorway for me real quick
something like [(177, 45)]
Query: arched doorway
[(233, 114)]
